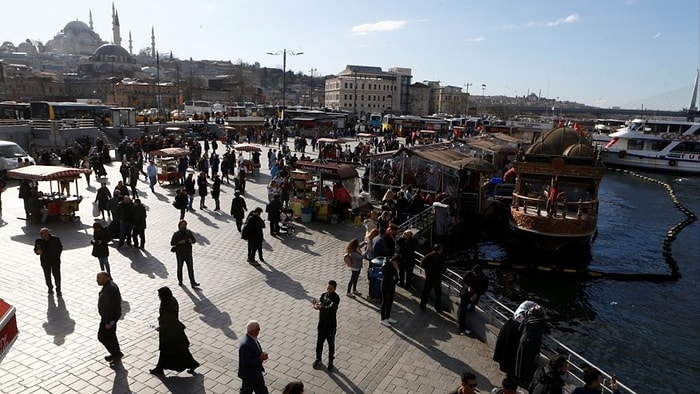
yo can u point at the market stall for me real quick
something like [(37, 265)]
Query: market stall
[(318, 179), (55, 204), (167, 160), (8, 327), (251, 164)]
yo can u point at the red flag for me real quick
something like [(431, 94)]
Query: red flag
[(561, 122)]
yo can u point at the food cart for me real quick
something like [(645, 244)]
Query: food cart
[(324, 173), (63, 206), (252, 167), (167, 160)]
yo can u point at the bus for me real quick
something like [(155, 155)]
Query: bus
[(14, 110), (47, 110), (197, 107), (375, 121)]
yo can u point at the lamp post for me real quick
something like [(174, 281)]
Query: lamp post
[(483, 89), (311, 93), (284, 53), (467, 85)]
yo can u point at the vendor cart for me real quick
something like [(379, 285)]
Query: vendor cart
[(253, 168), (55, 204), (167, 160)]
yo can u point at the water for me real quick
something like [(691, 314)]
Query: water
[(646, 333)]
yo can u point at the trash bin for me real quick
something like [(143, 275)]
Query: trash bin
[(306, 215), (374, 277)]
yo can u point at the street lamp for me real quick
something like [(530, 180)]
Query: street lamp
[(284, 53), (467, 86), (483, 89), (311, 93)]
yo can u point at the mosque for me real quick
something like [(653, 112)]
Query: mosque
[(95, 57)]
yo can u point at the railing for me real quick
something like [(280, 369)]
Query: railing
[(13, 122), (420, 221), (541, 206), (501, 313)]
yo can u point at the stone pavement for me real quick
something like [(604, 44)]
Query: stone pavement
[(57, 349)]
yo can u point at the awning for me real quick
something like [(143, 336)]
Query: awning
[(329, 170), (451, 158), (365, 135), (327, 140), (47, 173), (173, 128), (171, 152), (247, 148)]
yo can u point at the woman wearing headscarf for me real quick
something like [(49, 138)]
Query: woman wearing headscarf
[(172, 341)]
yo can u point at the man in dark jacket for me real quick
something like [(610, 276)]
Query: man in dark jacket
[(139, 230), (474, 285), (109, 305), (407, 245), (100, 246), (274, 212), (593, 380), (253, 233), (182, 241), (548, 379), (125, 212), (327, 307), (133, 179), (238, 208), (250, 361), (49, 249), (434, 265)]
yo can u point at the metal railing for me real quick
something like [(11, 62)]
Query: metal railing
[(500, 312), (420, 221)]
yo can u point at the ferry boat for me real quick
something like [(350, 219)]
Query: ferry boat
[(670, 146), (555, 199)]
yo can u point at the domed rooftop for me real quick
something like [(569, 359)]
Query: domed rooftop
[(562, 142), (111, 50), (76, 27)]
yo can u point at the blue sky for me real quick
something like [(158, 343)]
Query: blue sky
[(628, 53)]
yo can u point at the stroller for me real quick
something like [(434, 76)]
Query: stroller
[(287, 224)]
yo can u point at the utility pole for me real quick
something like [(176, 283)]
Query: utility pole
[(467, 86)]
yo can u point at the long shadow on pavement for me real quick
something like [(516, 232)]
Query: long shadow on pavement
[(280, 281), (344, 383), (145, 263), (210, 314), (59, 324), (184, 384), (121, 381)]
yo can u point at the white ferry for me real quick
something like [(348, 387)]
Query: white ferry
[(672, 146)]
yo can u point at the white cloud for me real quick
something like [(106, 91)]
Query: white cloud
[(476, 39), (569, 19), (573, 18), (382, 26), (657, 35)]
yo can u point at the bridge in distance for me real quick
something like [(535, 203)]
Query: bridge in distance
[(601, 113)]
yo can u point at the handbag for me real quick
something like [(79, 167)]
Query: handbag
[(347, 259), (95, 209)]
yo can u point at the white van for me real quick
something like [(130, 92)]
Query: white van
[(10, 154)]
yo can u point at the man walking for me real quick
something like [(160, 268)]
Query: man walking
[(474, 285), (182, 241), (139, 231), (327, 307), (434, 266), (125, 212), (250, 360), (152, 172), (109, 305), (253, 233), (49, 249), (238, 209)]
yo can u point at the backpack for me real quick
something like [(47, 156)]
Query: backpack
[(245, 232)]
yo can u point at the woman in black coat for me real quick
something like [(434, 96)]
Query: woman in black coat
[(202, 184), (216, 192), (172, 341), (534, 327)]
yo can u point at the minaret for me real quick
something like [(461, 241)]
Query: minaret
[(91, 28), (115, 29), (153, 42), (131, 47)]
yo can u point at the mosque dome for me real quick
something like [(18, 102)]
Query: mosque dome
[(112, 50), (76, 28)]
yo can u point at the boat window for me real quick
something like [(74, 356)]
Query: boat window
[(688, 147), (674, 128), (685, 127), (635, 144), (659, 145), (659, 128)]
